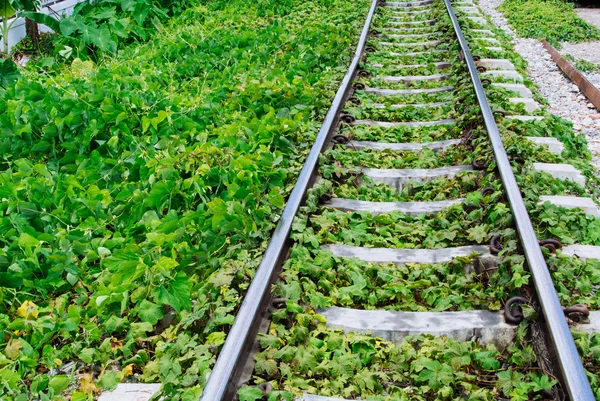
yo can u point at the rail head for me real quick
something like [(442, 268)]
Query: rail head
[(574, 378), (220, 385)]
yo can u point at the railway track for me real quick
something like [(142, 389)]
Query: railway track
[(405, 264)]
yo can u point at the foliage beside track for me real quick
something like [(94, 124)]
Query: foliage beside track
[(575, 280), (138, 195), (553, 20)]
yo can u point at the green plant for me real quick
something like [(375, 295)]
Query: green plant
[(104, 27), (553, 20), (582, 65), (151, 179), (21, 8)]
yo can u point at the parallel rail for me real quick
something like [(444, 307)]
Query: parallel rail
[(575, 381), (221, 385), (236, 351)]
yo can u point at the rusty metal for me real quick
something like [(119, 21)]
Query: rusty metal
[(479, 165), (578, 313), (265, 388), (514, 316), (487, 191), (340, 139), (551, 244), (495, 245), (519, 160), (347, 118), (586, 87), (541, 395)]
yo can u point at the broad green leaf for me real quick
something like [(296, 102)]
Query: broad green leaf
[(6, 9), (176, 293), (109, 380), (9, 72), (150, 312), (507, 380), (59, 383), (42, 18), (436, 374), (67, 26), (248, 393)]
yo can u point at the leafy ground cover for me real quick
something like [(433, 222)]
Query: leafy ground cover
[(582, 65), (409, 113), (575, 280), (139, 192), (316, 277), (311, 358), (300, 354), (393, 159), (553, 20), (434, 190)]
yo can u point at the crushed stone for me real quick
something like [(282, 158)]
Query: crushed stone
[(564, 98)]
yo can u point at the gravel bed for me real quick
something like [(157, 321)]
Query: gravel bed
[(589, 51), (564, 98)]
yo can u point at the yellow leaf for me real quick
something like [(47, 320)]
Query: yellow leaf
[(115, 344), (128, 370), (87, 385), (28, 310), (12, 348)]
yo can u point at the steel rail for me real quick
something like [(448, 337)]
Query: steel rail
[(574, 379), (220, 385)]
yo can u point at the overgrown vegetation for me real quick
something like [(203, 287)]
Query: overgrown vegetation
[(575, 280), (553, 20), (139, 192), (301, 354), (582, 65)]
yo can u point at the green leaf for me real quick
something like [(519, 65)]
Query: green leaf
[(150, 312), (487, 360), (67, 26), (6, 9), (177, 293), (436, 374), (59, 383), (109, 380), (9, 72), (478, 233), (216, 338), (42, 18), (507, 380), (248, 393), (104, 40)]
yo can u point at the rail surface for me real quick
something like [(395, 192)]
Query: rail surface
[(244, 328), (233, 357), (575, 380)]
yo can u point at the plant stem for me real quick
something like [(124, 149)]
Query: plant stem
[(5, 35)]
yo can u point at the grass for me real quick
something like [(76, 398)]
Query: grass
[(582, 65), (553, 20)]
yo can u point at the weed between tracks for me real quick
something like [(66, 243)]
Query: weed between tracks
[(576, 281), (300, 354)]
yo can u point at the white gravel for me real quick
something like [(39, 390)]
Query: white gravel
[(564, 98)]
